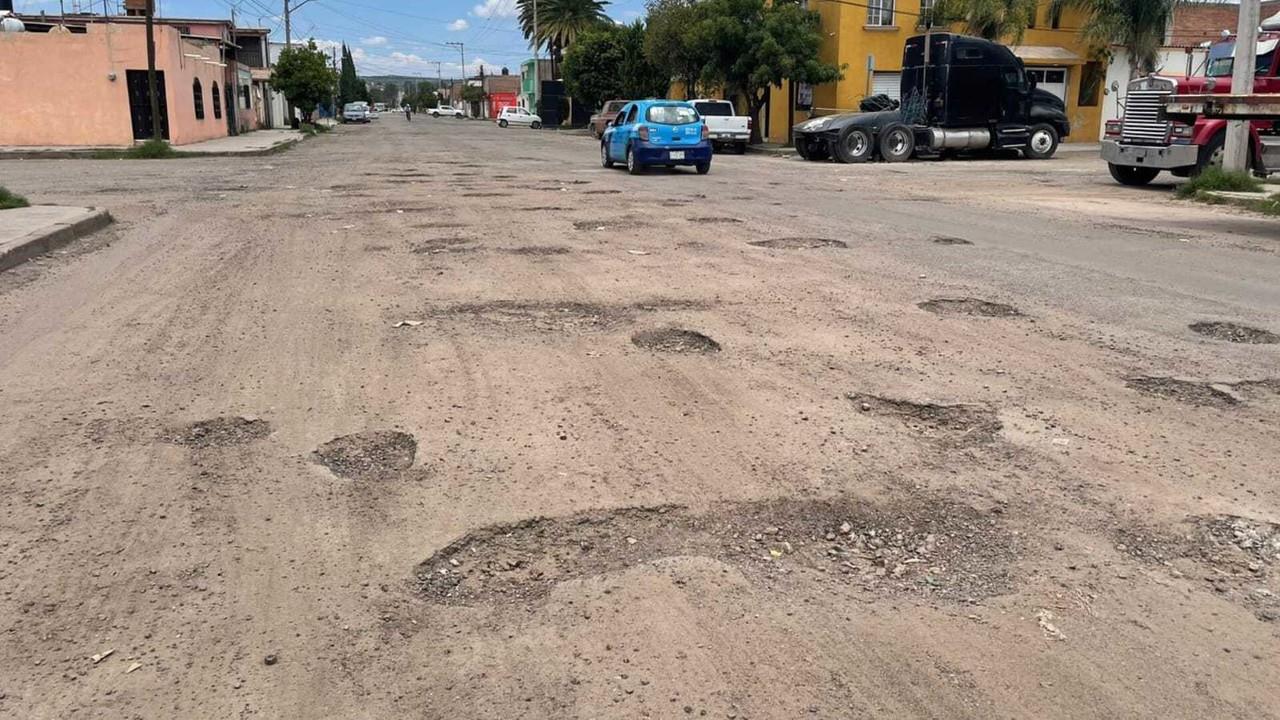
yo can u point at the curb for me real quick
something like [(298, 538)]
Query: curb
[(39, 244), (771, 152), (179, 154)]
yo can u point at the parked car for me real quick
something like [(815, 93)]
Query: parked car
[(602, 119), (518, 116), (656, 132), (726, 127), (446, 110), (373, 113), (355, 112)]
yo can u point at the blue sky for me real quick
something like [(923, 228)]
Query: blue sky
[(386, 36)]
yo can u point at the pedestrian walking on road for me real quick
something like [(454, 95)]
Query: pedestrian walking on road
[(408, 113)]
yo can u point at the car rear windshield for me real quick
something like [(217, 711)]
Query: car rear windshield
[(714, 108), (671, 115)]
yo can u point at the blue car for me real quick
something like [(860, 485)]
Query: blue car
[(656, 132)]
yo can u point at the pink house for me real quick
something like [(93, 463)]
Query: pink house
[(86, 84)]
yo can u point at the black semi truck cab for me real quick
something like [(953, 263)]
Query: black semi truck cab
[(958, 93)]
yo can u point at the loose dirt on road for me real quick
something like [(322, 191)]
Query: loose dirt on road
[(458, 424)]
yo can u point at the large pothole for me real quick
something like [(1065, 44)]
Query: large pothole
[(444, 244), (1187, 391), (949, 240), (219, 432), (957, 424), (799, 243), (372, 455), (612, 224), (1236, 556), (1231, 332), (538, 250), (675, 340), (969, 306), (547, 316), (930, 548)]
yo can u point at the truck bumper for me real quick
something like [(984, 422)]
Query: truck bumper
[(1164, 157)]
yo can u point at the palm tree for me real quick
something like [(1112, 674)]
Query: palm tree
[(1137, 25), (990, 19), (560, 22)]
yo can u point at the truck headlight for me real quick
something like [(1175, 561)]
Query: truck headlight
[(1181, 131), (1114, 128)]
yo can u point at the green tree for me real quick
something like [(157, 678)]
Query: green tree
[(641, 78), (350, 89), (757, 46), (672, 41), (990, 19), (560, 22), (1137, 25), (609, 62), (303, 75)]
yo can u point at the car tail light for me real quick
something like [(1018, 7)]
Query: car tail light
[(750, 123), (1114, 128), (705, 132), (643, 133)]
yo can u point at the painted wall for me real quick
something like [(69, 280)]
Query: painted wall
[(863, 49), (57, 90)]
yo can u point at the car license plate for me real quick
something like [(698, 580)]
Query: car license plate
[(724, 136), (677, 154)]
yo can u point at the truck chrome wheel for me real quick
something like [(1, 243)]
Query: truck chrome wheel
[(856, 143), (897, 143), (1042, 141)]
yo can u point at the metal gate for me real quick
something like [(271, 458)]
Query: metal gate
[(140, 104)]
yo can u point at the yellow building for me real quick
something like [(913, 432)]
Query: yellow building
[(867, 37)]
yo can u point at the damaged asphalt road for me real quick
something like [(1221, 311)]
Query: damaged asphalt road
[(435, 420)]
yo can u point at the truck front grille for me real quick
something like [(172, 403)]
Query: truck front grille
[(1142, 123)]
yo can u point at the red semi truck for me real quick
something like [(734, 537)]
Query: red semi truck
[(1147, 140)]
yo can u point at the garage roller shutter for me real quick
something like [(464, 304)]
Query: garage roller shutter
[(886, 83)]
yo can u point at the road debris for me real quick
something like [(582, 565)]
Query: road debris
[(1045, 619)]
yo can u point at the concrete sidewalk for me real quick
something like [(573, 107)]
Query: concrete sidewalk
[(258, 142), (31, 231)]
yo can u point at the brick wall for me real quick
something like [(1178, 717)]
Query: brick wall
[(1196, 22)]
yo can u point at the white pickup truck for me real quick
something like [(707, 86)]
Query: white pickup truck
[(725, 126), (446, 111)]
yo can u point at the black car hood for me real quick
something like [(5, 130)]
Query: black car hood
[(835, 123)]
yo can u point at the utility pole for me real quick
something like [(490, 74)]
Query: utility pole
[(157, 132), (1236, 153), (333, 99), (463, 55), (289, 7)]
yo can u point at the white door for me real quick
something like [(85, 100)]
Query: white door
[(887, 83), (1052, 80)]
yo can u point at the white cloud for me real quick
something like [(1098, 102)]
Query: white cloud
[(459, 24), (495, 8), (375, 41)]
